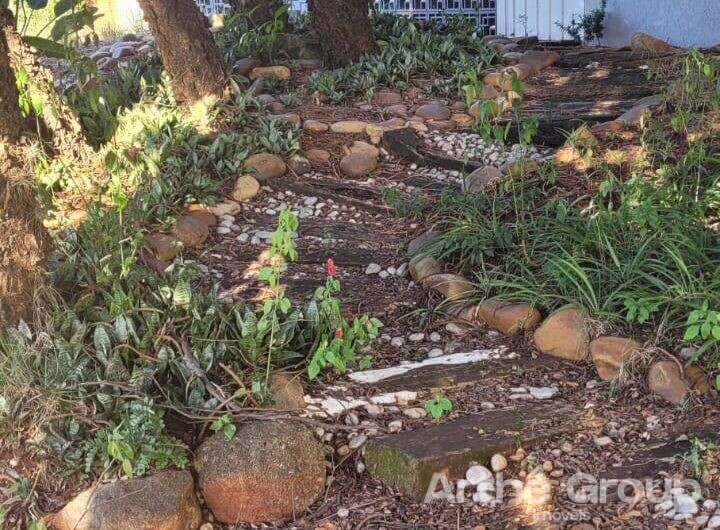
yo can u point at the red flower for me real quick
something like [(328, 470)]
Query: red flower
[(339, 334), (332, 271)]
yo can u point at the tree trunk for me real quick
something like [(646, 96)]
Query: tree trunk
[(23, 240), (344, 28), (59, 126), (259, 11), (186, 47)]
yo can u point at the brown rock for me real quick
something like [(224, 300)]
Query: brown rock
[(379, 129), (191, 231), (385, 98), (165, 247), (451, 286), (698, 380), (538, 59), (613, 126), (357, 165), (270, 470), (299, 165), (315, 126), (649, 45), (512, 58), (443, 125), (422, 267), (266, 165), (664, 378), (163, 501), (462, 119), (292, 118), (225, 208), (481, 178), (287, 391), (281, 72), (433, 112), (397, 110), (493, 109), (349, 127), (359, 146), (610, 353), (246, 187), (507, 317), (564, 334), (317, 155), (489, 92), (201, 213)]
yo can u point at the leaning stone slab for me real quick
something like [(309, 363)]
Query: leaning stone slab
[(407, 460)]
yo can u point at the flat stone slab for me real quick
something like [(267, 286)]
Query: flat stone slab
[(407, 460), (444, 377)]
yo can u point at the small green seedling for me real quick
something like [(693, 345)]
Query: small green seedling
[(224, 424), (438, 405)]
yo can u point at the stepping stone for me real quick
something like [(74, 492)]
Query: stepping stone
[(444, 377), (407, 460)]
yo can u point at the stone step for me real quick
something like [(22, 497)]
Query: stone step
[(407, 460), (445, 377)]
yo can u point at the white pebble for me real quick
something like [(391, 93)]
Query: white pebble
[(498, 462), (477, 474), (373, 268)]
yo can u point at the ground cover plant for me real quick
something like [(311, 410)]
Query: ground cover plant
[(637, 247)]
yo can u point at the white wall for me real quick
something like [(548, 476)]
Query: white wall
[(539, 16), (680, 22)]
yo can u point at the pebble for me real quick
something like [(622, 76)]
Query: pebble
[(395, 426), (603, 441), (686, 505), (714, 522), (373, 268), (417, 337), (435, 336), (373, 410), (435, 352), (498, 462), (710, 505), (402, 270), (477, 474), (487, 405), (455, 329), (397, 342), (343, 513), (415, 413), (664, 506), (360, 467), (543, 392), (222, 230), (357, 442)]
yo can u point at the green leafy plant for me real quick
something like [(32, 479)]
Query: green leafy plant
[(225, 425), (703, 324), (587, 27), (338, 341), (438, 405)]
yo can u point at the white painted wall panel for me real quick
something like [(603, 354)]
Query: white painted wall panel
[(681, 22), (536, 17)]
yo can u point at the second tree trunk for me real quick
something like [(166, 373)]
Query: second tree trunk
[(344, 28), (186, 47)]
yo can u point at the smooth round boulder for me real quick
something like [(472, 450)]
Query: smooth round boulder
[(610, 353), (269, 470), (358, 164), (665, 379), (318, 156), (315, 126), (191, 230), (564, 334), (299, 165), (246, 187), (385, 98), (266, 165), (432, 111)]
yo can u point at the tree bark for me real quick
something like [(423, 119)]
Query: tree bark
[(59, 126), (259, 11), (23, 240), (344, 28), (186, 47)]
